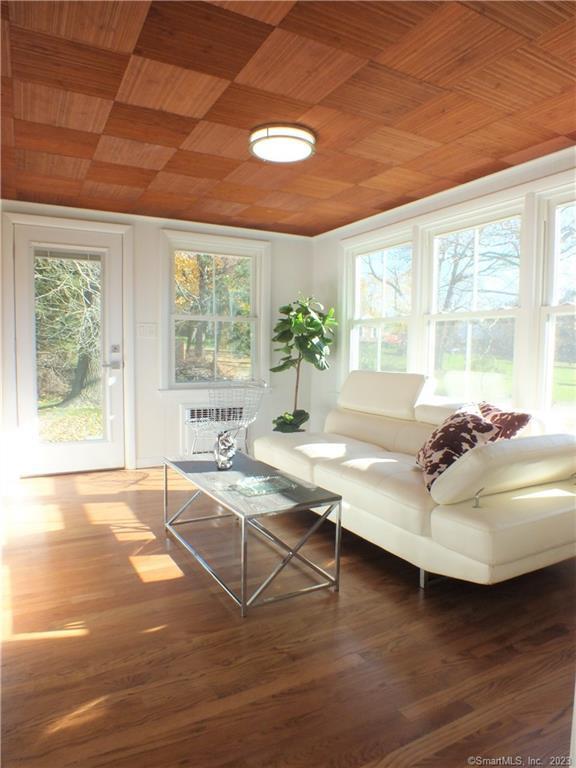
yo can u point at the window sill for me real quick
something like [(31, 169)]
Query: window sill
[(205, 386)]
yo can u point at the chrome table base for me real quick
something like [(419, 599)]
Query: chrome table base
[(244, 600)]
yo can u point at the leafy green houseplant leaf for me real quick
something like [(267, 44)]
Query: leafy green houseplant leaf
[(304, 333)]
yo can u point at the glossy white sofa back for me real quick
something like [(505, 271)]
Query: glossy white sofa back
[(382, 394), (402, 435)]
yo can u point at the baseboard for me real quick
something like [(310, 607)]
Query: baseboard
[(149, 462)]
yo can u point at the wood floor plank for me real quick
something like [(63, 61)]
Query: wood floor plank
[(120, 651)]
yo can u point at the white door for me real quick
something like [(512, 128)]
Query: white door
[(68, 295)]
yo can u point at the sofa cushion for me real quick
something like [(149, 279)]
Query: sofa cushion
[(298, 453), (508, 526), (381, 483), (506, 465), (385, 394), (436, 412), (509, 423), (458, 434), (399, 435)]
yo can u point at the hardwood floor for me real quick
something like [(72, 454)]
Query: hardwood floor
[(120, 651)]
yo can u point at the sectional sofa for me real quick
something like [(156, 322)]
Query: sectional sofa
[(501, 510)]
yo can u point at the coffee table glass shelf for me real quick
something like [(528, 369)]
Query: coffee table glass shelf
[(252, 491)]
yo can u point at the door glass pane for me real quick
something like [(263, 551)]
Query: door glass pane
[(68, 313), (474, 359)]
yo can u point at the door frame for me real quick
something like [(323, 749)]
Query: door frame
[(9, 379)]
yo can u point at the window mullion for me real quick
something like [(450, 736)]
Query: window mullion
[(486, 314), (528, 341)]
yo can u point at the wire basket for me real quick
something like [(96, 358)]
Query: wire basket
[(229, 409), (235, 408)]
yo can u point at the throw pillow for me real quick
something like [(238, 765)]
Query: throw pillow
[(454, 437), (509, 423)]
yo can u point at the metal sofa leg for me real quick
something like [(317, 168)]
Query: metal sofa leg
[(424, 578), (427, 578)]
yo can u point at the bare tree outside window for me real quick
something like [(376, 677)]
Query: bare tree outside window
[(467, 316), (384, 289), (68, 313), (565, 292), (477, 272)]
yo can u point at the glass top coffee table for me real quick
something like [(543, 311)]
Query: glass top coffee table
[(252, 491)]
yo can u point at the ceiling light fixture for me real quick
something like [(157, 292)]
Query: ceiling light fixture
[(279, 143)]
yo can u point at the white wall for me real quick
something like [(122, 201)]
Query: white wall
[(298, 265), (329, 260), (158, 411)]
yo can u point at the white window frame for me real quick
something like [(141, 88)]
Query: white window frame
[(549, 311), (535, 202), (470, 220), (259, 252)]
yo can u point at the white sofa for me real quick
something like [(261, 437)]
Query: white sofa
[(524, 517)]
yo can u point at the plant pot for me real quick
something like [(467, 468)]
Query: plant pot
[(291, 422)]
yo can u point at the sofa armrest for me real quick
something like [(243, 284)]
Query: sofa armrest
[(505, 466)]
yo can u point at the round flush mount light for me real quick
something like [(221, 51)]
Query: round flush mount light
[(279, 143)]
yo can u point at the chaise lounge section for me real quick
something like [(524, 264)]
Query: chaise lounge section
[(501, 510)]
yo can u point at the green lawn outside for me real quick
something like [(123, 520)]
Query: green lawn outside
[(563, 382)]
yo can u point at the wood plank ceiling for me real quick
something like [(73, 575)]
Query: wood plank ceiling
[(145, 107)]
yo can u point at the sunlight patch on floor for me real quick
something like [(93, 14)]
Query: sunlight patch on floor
[(113, 483), (111, 513), (73, 629), (52, 634), (32, 520), (68, 630), (134, 535), (152, 568), (150, 630), (79, 716)]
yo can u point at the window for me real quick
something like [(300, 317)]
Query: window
[(559, 317), (383, 304), (476, 290), (479, 296), (217, 289)]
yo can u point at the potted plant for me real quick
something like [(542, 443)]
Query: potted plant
[(305, 332)]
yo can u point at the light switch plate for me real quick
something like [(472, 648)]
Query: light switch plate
[(147, 330)]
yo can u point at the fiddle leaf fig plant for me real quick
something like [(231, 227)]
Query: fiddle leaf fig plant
[(304, 333)]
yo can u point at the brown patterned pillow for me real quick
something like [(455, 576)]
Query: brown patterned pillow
[(459, 433), (509, 423)]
